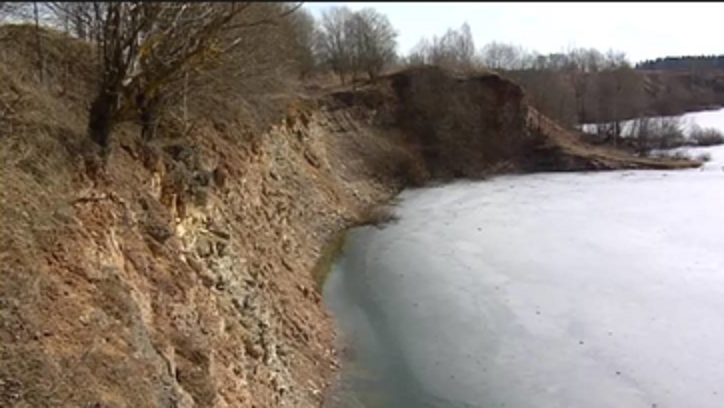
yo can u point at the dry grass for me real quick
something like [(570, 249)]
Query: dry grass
[(42, 124), (378, 216)]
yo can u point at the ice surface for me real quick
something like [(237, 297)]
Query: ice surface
[(546, 290)]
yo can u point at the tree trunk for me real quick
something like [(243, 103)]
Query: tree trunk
[(101, 120), (148, 113), (185, 100), (36, 14), (616, 133)]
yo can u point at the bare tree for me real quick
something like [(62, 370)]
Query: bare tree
[(615, 59), (333, 40), (498, 56), (641, 131), (454, 50), (461, 46), (38, 45), (146, 50), (419, 55), (373, 41), (354, 42), (582, 65), (81, 19), (620, 97), (303, 34)]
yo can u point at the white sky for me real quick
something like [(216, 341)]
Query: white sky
[(641, 30)]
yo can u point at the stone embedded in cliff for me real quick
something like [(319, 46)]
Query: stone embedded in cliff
[(253, 348), (159, 231), (220, 176), (204, 246)]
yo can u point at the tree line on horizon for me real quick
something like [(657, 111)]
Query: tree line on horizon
[(683, 63), (151, 56)]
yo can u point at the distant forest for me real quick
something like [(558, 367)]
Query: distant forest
[(688, 63)]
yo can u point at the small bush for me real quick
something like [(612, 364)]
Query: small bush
[(670, 132), (658, 133), (707, 136), (673, 155), (681, 155), (704, 157)]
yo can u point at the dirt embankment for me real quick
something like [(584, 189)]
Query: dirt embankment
[(180, 276), (475, 126)]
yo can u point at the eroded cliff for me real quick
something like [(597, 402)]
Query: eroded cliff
[(179, 275)]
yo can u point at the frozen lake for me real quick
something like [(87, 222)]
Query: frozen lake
[(544, 290)]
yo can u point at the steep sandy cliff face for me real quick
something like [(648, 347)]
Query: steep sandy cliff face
[(181, 275), (181, 279)]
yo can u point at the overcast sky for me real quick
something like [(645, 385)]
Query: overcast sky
[(641, 30)]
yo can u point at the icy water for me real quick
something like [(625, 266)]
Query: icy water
[(546, 290)]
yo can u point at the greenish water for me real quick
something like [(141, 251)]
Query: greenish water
[(375, 372), (329, 255)]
